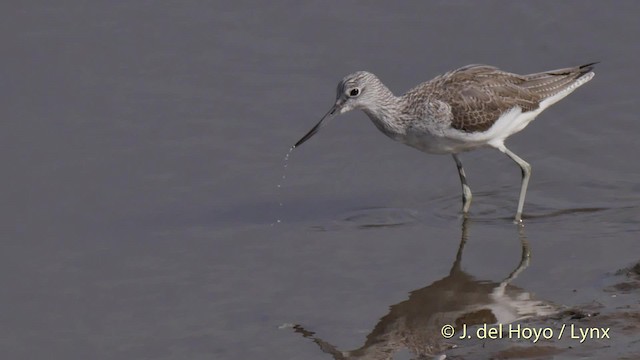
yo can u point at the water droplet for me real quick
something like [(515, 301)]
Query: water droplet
[(284, 176)]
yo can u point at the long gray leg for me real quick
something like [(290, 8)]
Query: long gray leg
[(466, 190), (526, 174)]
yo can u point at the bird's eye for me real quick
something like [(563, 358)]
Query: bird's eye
[(354, 92)]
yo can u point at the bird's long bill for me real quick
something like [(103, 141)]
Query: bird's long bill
[(316, 128)]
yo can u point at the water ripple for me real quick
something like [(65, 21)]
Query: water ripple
[(372, 218)]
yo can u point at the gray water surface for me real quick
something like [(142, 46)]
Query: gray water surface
[(143, 143)]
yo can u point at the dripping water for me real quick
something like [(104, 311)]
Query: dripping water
[(285, 163)]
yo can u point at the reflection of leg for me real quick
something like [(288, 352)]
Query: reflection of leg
[(466, 190), (526, 174), (465, 235), (526, 251), (525, 257), (324, 346)]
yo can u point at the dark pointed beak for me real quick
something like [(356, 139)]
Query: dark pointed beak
[(316, 128)]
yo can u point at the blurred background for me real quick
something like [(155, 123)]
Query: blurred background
[(145, 214)]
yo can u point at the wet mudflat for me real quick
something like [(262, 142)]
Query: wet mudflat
[(143, 144)]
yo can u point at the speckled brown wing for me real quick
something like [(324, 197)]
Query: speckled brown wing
[(478, 95)]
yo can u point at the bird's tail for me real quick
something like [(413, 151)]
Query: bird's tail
[(550, 83)]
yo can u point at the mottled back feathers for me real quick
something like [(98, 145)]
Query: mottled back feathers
[(479, 94)]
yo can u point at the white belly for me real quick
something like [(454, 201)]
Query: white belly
[(449, 140)]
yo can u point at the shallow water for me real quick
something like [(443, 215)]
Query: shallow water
[(143, 144)]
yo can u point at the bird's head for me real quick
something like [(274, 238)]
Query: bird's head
[(359, 90)]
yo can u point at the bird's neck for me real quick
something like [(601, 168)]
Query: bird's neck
[(385, 115)]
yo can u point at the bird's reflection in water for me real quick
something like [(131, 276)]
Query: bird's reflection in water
[(458, 299)]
